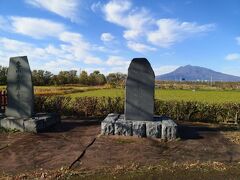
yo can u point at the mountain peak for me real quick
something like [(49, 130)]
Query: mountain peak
[(196, 73)]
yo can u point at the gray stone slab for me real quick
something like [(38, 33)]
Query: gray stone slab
[(123, 127), (38, 124), (154, 129), (161, 127), (108, 124), (12, 123), (139, 103), (20, 88), (169, 129), (139, 128)]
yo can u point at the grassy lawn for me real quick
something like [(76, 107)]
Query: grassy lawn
[(186, 95)]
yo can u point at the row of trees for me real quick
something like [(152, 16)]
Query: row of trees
[(3, 75), (42, 78)]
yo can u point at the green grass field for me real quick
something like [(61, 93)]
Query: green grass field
[(210, 96), (185, 95)]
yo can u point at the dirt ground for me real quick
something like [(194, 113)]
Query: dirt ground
[(26, 152)]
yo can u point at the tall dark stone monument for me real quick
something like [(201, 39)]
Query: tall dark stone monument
[(139, 119), (19, 114), (140, 84), (19, 88)]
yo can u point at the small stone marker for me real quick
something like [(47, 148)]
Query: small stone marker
[(19, 88), (140, 84)]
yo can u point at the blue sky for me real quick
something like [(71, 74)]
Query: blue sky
[(105, 35)]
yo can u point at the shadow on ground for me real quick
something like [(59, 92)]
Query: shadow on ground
[(62, 145)]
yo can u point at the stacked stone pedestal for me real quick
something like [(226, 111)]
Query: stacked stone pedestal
[(40, 122), (159, 127)]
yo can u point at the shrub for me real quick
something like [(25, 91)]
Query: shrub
[(102, 106)]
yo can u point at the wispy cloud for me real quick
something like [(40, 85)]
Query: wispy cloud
[(65, 8), (72, 50), (36, 27), (96, 6), (117, 61), (140, 47), (140, 24), (171, 31), (122, 14), (107, 37), (233, 57), (238, 40), (165, 69)]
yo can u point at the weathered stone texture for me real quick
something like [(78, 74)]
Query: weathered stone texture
[(161, 127), (19, 88), (139, 128), (140, 84)]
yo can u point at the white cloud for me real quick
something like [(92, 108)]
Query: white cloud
[(35, 27), (238, 40), (59, 65), (165, 69), (65, 8), (92, 60), (4, 24), (140, 24), (96, 6), (117, 61), (171, 31), (106, 37), (139, 47), (66, 56), (120, 13), (233, 57), (52, 58)]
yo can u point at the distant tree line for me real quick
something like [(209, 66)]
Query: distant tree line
[(44, 78)]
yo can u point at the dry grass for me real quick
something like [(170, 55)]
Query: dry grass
[(232, 136), (131, 171)]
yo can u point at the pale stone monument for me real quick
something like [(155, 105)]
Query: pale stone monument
[(139, 119), (20, 114)]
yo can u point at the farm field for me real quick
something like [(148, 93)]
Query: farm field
[(60, 90), (209, 96), (168, 95)]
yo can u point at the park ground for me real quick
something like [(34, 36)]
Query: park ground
[(202, 151)]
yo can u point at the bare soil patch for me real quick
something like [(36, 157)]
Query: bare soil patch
[(28, 153)]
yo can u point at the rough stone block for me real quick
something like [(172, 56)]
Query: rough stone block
[(36, 124), (12, 123), (107, 125), (123, 127), (30, 125), (154, 129), (169, 129), (160, 127), (107, 128), (139, 128)]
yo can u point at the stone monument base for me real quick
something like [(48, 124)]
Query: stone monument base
[(40, 122), (161, 127)]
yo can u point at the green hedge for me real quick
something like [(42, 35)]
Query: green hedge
[(101, 106)]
